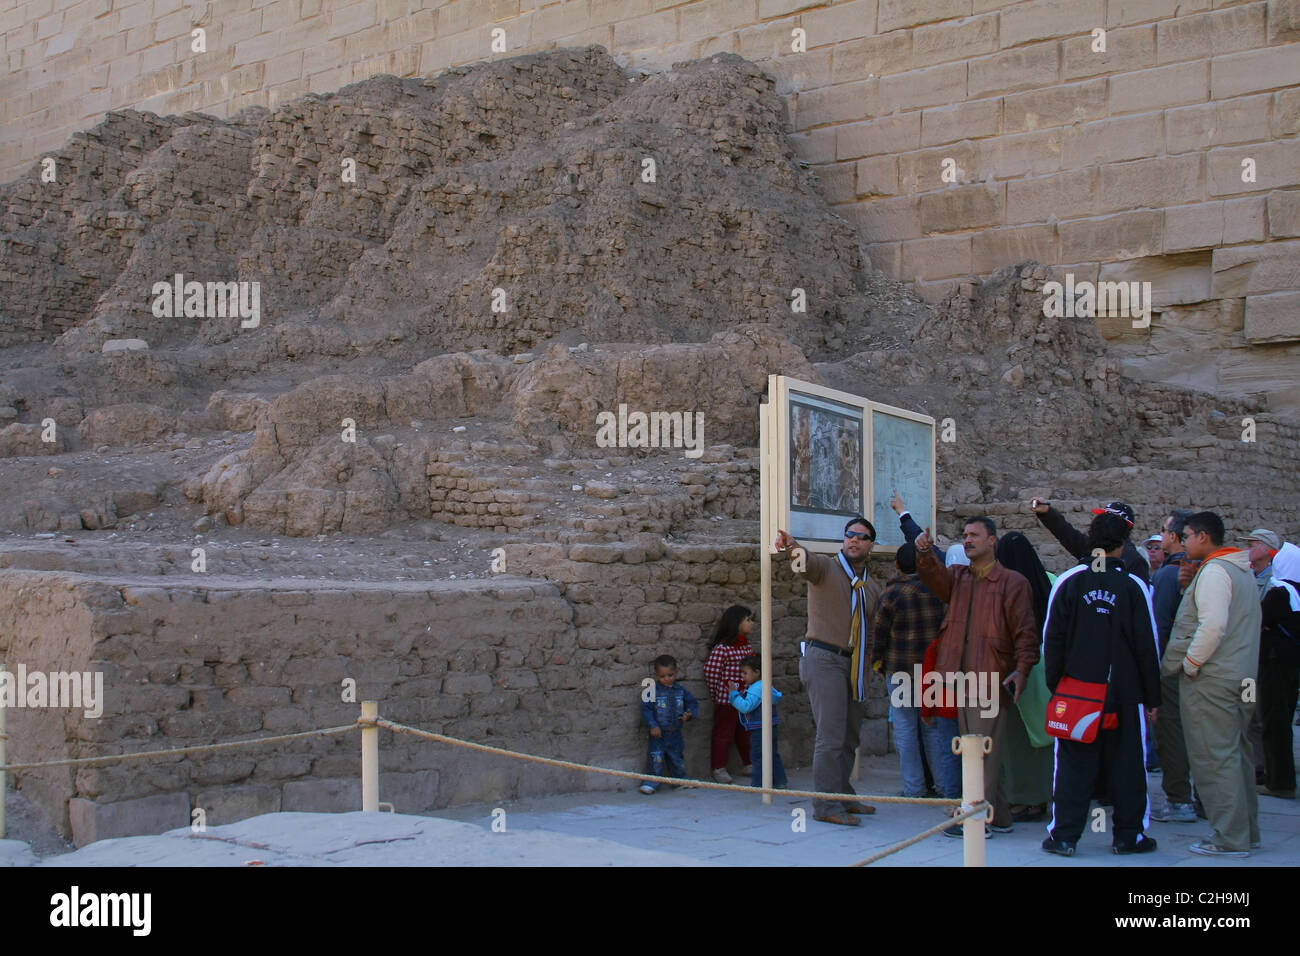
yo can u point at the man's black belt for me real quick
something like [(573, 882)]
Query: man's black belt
[(830, 647)]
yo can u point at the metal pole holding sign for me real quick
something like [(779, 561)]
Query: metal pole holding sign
[(765, 599)]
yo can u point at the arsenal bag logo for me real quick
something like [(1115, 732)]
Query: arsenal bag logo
[(1074, 712)]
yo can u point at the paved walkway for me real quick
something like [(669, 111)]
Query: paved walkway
[(734, 830), (626, 828)]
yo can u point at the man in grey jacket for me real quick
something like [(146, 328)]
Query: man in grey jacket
[(1214, 646)]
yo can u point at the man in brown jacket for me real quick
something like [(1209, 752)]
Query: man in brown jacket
[(988, 630)]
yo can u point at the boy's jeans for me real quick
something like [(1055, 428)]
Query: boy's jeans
[(756, 759), (909, 732), (666, 756)]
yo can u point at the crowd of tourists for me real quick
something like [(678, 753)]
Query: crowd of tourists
[(1178, 657)]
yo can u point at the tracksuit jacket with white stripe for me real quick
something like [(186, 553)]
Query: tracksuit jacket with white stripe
[(1086, 644)]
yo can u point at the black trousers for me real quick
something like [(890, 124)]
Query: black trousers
[(1279, 684), (1118, 757)]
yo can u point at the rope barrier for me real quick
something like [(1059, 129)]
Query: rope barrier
[(630, 775), (980, 807), (203, 748)]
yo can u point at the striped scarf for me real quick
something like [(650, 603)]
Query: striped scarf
[(857, 632)]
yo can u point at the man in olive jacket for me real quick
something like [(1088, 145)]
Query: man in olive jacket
[(1214, 648), (989, 630)]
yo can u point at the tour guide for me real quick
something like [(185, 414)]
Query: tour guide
[(842, 602)]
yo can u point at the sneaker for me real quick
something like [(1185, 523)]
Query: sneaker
[(646, 788), (1144, 844), (1255, 844), (1206, 848), (1175, 813), (994, 828), (957, 831), (1059, 847), (748, 769), (721, 775)]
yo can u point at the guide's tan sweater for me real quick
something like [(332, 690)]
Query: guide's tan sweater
[(830, 600)]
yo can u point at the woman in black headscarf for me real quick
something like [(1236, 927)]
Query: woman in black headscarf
[(1027, 768)]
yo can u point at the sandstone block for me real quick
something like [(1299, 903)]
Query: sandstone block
[(1020, 154), (1048, 198), (654, 30), (1151, 182), (144, 816), (837, 104), (928, 87), (955, 40), (887, 219), (962, 207), (971, 120), (1277, 165), (1283, 21), (1041, 19), (1159, 87), (1126, 235), (1254, 270), (1137, 11), (1124, 49), (877, 176), (323, 795), (1273, 318), (889, 134), (839, 21), (991, 249), (1284, 213), (1114, 140), (870, 56), (1024, 68), (1241, 120), (936, 258), (895, 14), (1235, 74), (1194, 226), (228, 804)]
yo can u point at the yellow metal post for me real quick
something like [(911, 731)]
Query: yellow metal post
[(972, 748), (370, 759)]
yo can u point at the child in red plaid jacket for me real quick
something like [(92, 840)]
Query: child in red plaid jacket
[(729, 647)]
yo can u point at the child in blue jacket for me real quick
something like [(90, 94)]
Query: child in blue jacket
[(750, 705), (669, 706)]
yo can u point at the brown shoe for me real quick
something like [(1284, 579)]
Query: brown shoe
[(1280, 794), (865, 809), (840, 819)]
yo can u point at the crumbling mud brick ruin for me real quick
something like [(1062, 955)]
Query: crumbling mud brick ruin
[(434, 241)]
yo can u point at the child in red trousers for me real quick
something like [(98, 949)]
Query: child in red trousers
[(722, 670)]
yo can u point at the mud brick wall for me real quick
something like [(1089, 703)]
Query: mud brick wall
[(550, 667), (1123, 164), (497, 662)]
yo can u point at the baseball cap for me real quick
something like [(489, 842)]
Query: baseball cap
[(1269, 538), (1155, 537), (1116, 508)]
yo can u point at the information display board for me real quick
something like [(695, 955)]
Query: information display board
[(830, 455)]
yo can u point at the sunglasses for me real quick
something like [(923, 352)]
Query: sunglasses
[(860, 535)]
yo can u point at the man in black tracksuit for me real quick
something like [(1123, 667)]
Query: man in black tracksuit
[(1100, 629)]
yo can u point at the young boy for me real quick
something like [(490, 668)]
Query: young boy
[(750, 706), (670, 705)]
